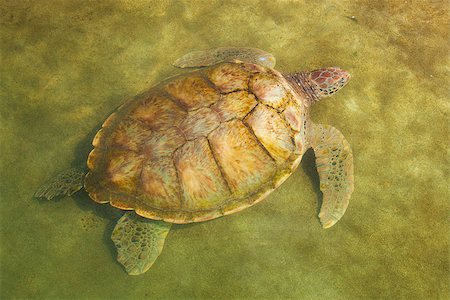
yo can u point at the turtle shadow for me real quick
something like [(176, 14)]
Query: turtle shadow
[(309, 167), (84, 146), (107, 241), (85, 203), (82, 199), (103, 211)]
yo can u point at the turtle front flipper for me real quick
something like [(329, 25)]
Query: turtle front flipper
[(139, 241), (67, 183), (204, 58), (334, 161)]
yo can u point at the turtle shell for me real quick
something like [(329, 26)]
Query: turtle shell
[(200, 145)]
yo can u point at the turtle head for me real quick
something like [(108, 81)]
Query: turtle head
[(328, 81)]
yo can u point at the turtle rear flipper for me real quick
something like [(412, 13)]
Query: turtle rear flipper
[(334, 161), (139, 241), (204, 58), (66, 183)]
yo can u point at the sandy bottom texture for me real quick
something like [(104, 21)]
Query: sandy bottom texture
[(66, 65)]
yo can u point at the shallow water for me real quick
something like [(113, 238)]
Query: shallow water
[(66, 65)]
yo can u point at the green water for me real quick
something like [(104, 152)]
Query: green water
[(67, 64)]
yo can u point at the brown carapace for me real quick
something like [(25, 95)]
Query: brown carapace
[(200, 145)]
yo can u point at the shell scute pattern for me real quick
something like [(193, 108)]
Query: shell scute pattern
[(159, 183), (192, 91), (228, 77), (271, 130), (235, 105), (244, 162), (158, 112), (203, 185), (163, 143), (292, 114), (199, 123), (123, 169), (269, 90), (130, 135), (197, 146)]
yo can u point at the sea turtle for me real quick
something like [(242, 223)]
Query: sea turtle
[(209, 143)]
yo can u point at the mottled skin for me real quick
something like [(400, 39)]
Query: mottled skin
[(210, 143)]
